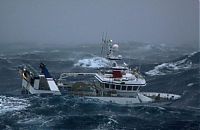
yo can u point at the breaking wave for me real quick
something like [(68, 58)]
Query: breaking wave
[(182, 64), (95, 62), (8, 104), (167, 68)]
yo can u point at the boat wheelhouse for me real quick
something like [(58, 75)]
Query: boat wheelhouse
[(118, 80)]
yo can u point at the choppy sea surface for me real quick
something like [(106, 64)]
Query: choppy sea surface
[(171, 72), (65, 112)]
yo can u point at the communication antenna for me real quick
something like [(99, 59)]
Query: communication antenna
[(105, 40), (102, 40)]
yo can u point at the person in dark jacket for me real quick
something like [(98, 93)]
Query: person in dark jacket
[(44, 70)]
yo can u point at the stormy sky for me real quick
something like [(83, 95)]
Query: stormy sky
[(82, 21)]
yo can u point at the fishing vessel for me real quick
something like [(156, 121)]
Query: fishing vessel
[(115, 83)]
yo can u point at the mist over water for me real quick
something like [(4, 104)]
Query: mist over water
[(73, 22)]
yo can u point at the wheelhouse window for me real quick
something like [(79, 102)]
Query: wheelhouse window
[(112, 86), (106, 85), (129, 88), (118, 87), (135, 88), (123, 87)]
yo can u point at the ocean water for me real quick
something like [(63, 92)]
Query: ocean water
[(63, 112), (179, 75)]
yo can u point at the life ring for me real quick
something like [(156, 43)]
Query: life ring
[(24, 74)]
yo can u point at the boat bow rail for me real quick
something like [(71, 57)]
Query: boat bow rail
[(157, 95)]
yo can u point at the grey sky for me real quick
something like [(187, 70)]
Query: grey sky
[(82, 21)]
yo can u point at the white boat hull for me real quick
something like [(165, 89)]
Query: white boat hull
[(125, 100), (30, 89), (142, 97)]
